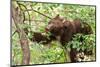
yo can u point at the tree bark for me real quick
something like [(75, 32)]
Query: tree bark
[(17, 16)]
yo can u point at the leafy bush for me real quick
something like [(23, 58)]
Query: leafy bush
[(41, 54)]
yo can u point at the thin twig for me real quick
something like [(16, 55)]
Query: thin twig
[(41, 13), (23, 12)]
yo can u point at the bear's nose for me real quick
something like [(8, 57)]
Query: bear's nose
[(49, 27)]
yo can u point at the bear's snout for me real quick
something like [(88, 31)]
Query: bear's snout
[(48, 27)]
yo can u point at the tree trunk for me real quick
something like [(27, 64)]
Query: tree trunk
[(17, 16)]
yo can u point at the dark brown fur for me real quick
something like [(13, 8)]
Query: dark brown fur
[(39, 37), (86, 29), (63, 31)]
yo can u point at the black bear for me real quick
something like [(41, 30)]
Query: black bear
[(63, 31)]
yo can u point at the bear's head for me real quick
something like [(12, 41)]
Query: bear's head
[(55, 26)]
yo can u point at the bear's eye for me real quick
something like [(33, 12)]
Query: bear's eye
[(65, 27)]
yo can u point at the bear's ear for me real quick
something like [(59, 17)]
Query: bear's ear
[(57, 16), (62, 19)]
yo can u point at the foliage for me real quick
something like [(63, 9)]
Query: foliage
[(42, 54), (88, 42)]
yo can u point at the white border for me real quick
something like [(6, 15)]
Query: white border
[(5, 33)]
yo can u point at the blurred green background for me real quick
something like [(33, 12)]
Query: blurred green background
[(41, 54)]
